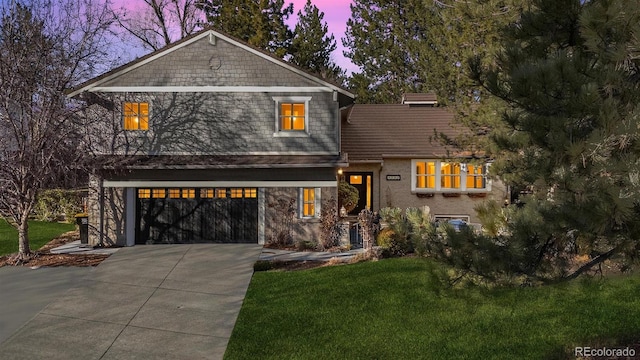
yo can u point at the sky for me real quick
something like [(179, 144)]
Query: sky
[(336, 14)]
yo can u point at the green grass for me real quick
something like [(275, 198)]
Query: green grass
[(397, 309), (40, 233)]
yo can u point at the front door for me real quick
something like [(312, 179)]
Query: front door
[(363, 181)]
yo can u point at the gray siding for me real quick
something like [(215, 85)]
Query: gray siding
[(214, 123), (196, 64)]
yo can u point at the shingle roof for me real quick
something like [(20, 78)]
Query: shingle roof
[(220, 161), (372, 131)]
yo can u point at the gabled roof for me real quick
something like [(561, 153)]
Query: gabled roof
[(212, 34), (372, 132)]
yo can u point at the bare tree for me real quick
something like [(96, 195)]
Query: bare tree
[(45, 48), (160, 22)]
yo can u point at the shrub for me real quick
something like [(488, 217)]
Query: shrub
[(391, 245), (423, 235), (283, 226), (397, 222), (366, 220), (348, 196), (55, 204), (262, 265), (331, 231)]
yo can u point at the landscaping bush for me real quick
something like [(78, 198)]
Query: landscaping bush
[(389, 244), (348, 196), (330, 236), (397, 222), (423, 233), (283, 227), (58, 204)]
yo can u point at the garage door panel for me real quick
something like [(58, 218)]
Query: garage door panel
[(197, 219)]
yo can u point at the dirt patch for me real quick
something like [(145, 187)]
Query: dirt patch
[(44, 257)]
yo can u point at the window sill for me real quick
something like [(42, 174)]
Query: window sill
[(297, 134)]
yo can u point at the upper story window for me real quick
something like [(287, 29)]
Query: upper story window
[(292, 116), (136, 115), (433, 176)]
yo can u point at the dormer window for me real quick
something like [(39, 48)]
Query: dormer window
[(292, 116), (136, 115)]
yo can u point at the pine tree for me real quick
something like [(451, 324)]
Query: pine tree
[(382, 37), (260, 23), (569, 75), (311, 47)]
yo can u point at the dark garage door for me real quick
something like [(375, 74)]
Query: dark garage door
[(197, 215)]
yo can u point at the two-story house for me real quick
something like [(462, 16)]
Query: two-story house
[(210, 140), (397, 159)]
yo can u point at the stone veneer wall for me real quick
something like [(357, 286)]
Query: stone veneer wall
[(303, 229), (113, 218)]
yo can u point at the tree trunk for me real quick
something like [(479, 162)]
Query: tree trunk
[(24, 250)]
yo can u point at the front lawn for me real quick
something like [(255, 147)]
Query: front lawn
[(397, 309), (40, 233)]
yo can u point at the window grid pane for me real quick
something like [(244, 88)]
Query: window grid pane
[(309, 202), (292, 117), (188, 193), (236, 193), (450, 175), (158, 193), (207, 193), (136, 116), (144, 193), (174, 193), (426, 175), (475, 177)]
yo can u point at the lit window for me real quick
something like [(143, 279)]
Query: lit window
[(436, 176), (221, 193), (449, 175), (144, 193), (188, 193), (207, 193), (308, 202), (425, 174), (292, 116), (136, 116), (158, 193), (236, 193), (355, 179), (476, 177), (251, 193), (174, 193)]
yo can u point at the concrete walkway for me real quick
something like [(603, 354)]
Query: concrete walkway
[(288, 255), (144, 302)]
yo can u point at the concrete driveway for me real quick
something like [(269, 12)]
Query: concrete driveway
[(145, 302)]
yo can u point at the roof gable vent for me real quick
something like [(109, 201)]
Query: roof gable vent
[(421, 99)]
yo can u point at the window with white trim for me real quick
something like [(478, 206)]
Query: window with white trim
[(309, 203), (292, 115), (444, 176)]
